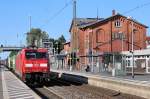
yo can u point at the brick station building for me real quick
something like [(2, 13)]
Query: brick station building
[(148, 42), (112, 34)]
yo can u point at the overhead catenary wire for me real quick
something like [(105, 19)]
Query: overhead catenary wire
[(70, 2), (57, 13), (137, 7)]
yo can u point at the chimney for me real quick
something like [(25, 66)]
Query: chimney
[(113, 12)]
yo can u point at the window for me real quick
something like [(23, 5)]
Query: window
[(41, 55), (117, 23), (30, 55), (100, 36), (118, 36), (36, 55)]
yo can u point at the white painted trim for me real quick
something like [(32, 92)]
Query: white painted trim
[(43, 65), (28, 65)]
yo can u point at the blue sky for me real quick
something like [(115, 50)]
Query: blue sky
[(14, 15)]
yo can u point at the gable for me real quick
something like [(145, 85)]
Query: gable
[(112, 18)]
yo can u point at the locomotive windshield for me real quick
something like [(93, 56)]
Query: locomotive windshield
[(41, 55), (36, 55)]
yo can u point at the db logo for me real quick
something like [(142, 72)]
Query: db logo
[(36, 65)]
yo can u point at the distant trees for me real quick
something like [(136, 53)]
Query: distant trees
[(58, 43), (35, 36), (13, 53)]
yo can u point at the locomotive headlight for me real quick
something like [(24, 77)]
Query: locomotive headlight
[(28, 65), (43, 65)]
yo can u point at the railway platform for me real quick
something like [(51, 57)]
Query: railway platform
[(13, 88), (139, 86)]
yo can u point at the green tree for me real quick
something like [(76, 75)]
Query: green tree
[(35, 36), (61, 41), (58, 43), (13, 53), (45, 35)]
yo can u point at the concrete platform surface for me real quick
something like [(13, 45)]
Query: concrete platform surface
[(12, 88), (1, 87), (138, 86), (141, 79)]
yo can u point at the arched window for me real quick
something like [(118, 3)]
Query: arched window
[(100, 36), (136, 36)]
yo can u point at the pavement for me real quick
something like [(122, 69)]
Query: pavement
[(1, 87), (139, 86), (143, 78), (137, 77), (13, 88)]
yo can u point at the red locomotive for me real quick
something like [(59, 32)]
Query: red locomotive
[(32, 65)]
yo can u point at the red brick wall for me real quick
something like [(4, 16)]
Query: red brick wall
[(126, 29), (104, 39)]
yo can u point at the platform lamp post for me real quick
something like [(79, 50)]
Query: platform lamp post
[(132, 53), (122, 38), (57, 55), (56, 47), (92, 43), (122, 41), (54, 55), (132, 43), (123, 61), (133, 31), (92, 54)]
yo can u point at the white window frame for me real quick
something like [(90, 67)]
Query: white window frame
[(117, 23)]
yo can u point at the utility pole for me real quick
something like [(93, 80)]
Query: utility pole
[(74, 9), (74, 35), (122, 38), (29, 34), (132, 42), (74, 25), (97, 14), (30, 23), (92, 53)]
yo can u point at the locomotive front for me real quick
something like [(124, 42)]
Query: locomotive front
[(35, 65)]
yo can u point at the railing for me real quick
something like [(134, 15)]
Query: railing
[(10, 48), (98, 67)]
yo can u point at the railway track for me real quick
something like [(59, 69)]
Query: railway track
[(45, 93), (105, 93), (69, 91), (83, 92), (60, 89)]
